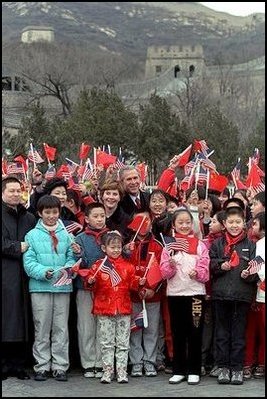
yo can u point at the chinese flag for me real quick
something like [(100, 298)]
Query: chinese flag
[(50, 152), (142, 168), (185, 156), (136, 222), (76, 266), (217, 182), (253, 179), (84, 151), (153, 276), (234, 260), (104, 158)]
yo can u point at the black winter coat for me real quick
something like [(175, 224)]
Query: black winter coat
[(229, 285), (129, 206), (15, 299)]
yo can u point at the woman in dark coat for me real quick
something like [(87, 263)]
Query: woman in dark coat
[(16, 222)]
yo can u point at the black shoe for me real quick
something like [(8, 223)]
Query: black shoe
[(22, 375), (60, 375), (41, 375)]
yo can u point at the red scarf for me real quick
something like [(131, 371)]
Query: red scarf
[(54, 239), (96, 233), (232, 241), (186, 244)]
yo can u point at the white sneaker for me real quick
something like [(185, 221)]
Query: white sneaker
[(176, 379), (193, 379), (89, 373)]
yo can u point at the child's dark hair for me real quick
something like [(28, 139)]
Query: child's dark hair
[(91, 206), (48, 202), (201, 192), (158, 191), (237, 202), (171, 198), (163, 225), (234, 210), (73, 195), (53, 183), (215, 203), (260, 197), (110, 236), (221, 216), (180, 210), (261, 218)]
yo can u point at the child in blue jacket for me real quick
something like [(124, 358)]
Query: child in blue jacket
[(50, 248)]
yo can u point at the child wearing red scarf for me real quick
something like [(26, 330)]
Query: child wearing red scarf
[(216, 230), (232, 293), (90, 243), (186, 272)]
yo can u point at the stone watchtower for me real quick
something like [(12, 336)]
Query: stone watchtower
[(184, 59), (32, 34)]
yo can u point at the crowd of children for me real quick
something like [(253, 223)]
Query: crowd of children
[(102, 249)]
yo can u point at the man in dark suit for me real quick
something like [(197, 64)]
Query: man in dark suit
[(134, 199), (16, 222)]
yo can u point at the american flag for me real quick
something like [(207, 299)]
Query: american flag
[(65, 278), (206, 162), (180, 244), (255, 264), (201, 174), (108, 268), (88, 173), (73, 227), (50, 173), (258, 189), (72, 166), (34, 156), (137, 321), (120, 161), (15, 167)]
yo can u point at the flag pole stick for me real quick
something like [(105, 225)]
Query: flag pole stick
[(207, 185), (69, 235), (101, 264), (149, 263), (144, 314), (34, 163)]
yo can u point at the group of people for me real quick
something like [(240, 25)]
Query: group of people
[(206, 314)]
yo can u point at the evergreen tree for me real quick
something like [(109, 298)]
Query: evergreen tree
[(221, 135), (161, 135)]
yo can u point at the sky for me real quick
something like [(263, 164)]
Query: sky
[(237, 8)]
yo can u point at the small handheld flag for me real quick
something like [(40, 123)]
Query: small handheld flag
[(255, 264), (65, 278)]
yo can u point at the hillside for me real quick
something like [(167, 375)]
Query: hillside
[(128, 28)]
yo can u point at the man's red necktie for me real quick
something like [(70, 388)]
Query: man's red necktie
[(138, 203)]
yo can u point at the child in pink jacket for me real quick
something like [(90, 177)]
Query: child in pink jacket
[(185, 265)]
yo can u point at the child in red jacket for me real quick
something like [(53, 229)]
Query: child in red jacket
[(111, 280)]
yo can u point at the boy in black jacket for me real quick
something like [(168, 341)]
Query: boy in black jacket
[(232, 292)]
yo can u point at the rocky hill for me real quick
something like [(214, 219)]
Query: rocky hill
[(128, 28)]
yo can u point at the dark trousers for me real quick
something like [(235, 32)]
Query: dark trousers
[(231, 320), (14, 356), (186, 325)]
